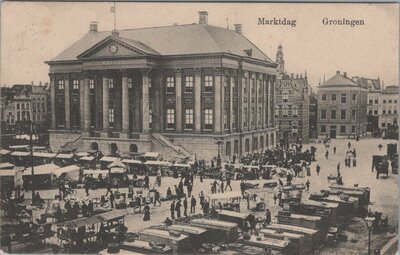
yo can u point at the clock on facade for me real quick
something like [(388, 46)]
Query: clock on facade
[(113, 48)]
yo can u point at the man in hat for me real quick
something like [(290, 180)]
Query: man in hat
[(178, 208), (185, 205), (193, 205)]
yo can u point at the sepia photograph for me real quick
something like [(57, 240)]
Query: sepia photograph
[(199, 128)]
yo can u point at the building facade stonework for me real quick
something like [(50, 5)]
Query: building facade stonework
[(131, 91), (292, 104), (342, 108)]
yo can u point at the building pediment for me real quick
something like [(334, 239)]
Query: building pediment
[(113, 46)]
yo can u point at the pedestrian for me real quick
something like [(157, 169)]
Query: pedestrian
[(222, 186), (380, 147), (308, 186), (185, 205), (275, 197), (267, 217), (248, 201), (228, 182), (242, 188), (318, 169), (172, 209), (349, 145), (157, 197), (189, 189), (326, 154), (354, 162), (178, 208), (193, 205), (112, 199), (109, 186), (146, 181), (87, 186), (354, 153), (338, 167), (180, 187), (334, 149), (214, 187), (146, 212), (202, 197), (201, 175)]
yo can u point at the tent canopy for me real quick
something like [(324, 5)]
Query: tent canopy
[(116, 163), (182, 165), (109, 159), (44, 154), (6, 165), (111, 215), (4, 152), (87, 158), (152, 154), (42, 169), (82, 222), (66, 169), (64, 155), (158, 163), (131, 161), (20, 153)]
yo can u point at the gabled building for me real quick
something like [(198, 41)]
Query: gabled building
[(342, 108), (291, 104), (180, 90)]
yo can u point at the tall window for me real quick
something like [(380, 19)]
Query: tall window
[(353, 129), (245, 117), (189, 82), (110, 83), (276, 111), (189, 118), (233, 120), (323, 129), (259, 116), (150, 117), (226, 126), (244, 84), (253, 85), (111, 115), (333, 114), (295, 111), (285, 96), (130, 85), (208, 83), (252, 117), (333, 97), (61, 84), (91, 84), (226, 81), (353, 114), (342, 114), (75, 84), (208, 119), (170, 84), (149, 82), (233, 84), (323, 114), (285, 111), (290, 112), (343, 129), (343, 98), (17, 106), (323, 97), (170, 118)]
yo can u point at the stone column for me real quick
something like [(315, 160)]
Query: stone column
[(262, 102), (178, 100), (218, 101), (87, 112), (53, 101), (81, 101), (105, 103), (231, 119), (197, 100), (67, 102), (125, 102), (145, 100)]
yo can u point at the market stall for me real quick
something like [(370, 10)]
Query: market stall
[(226, 201), (42, 178)]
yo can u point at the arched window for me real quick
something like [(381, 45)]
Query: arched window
[(94, 146), (133, 148), (114, 149), (18, 116), (18, 106)]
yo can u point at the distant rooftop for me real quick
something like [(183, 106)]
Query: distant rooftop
[(339, 80), (391, 90)]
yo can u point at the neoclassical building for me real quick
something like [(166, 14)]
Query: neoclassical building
[(179, 90)]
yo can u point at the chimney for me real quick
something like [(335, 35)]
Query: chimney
[(93, 27), (203, 18), (345, 74), (238, 28), (337, 72)]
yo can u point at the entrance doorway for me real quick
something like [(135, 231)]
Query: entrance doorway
[(333, 132), (114, 149)]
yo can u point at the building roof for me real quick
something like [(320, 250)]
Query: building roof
[(171, 40), (339, 80), (391, 90), (367, 83)]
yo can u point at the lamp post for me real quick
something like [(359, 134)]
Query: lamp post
[(219, 143), (369, 222)]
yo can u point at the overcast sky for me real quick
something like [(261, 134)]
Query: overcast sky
[(32, 33)]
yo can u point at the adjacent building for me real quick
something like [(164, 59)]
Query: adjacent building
[(342, 108), (24, 102), (291, 104), (313, 121), (180, 90)]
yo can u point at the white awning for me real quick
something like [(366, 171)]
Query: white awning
[(8, 172), (16, 147), (109, 159), (95, 173), (152, 154), (20, 153), (4, 152), (182, 165), (116, 163), (117, 170), (158, 163), (6, 165), (226, 195), (87, 158), (65, 156), (42, 169), (82, 154), (66, 169), (131, 161), (44, 154)]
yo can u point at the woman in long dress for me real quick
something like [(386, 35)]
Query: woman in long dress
[(146, 211)]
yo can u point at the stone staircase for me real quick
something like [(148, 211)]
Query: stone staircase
[(167, 148)]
